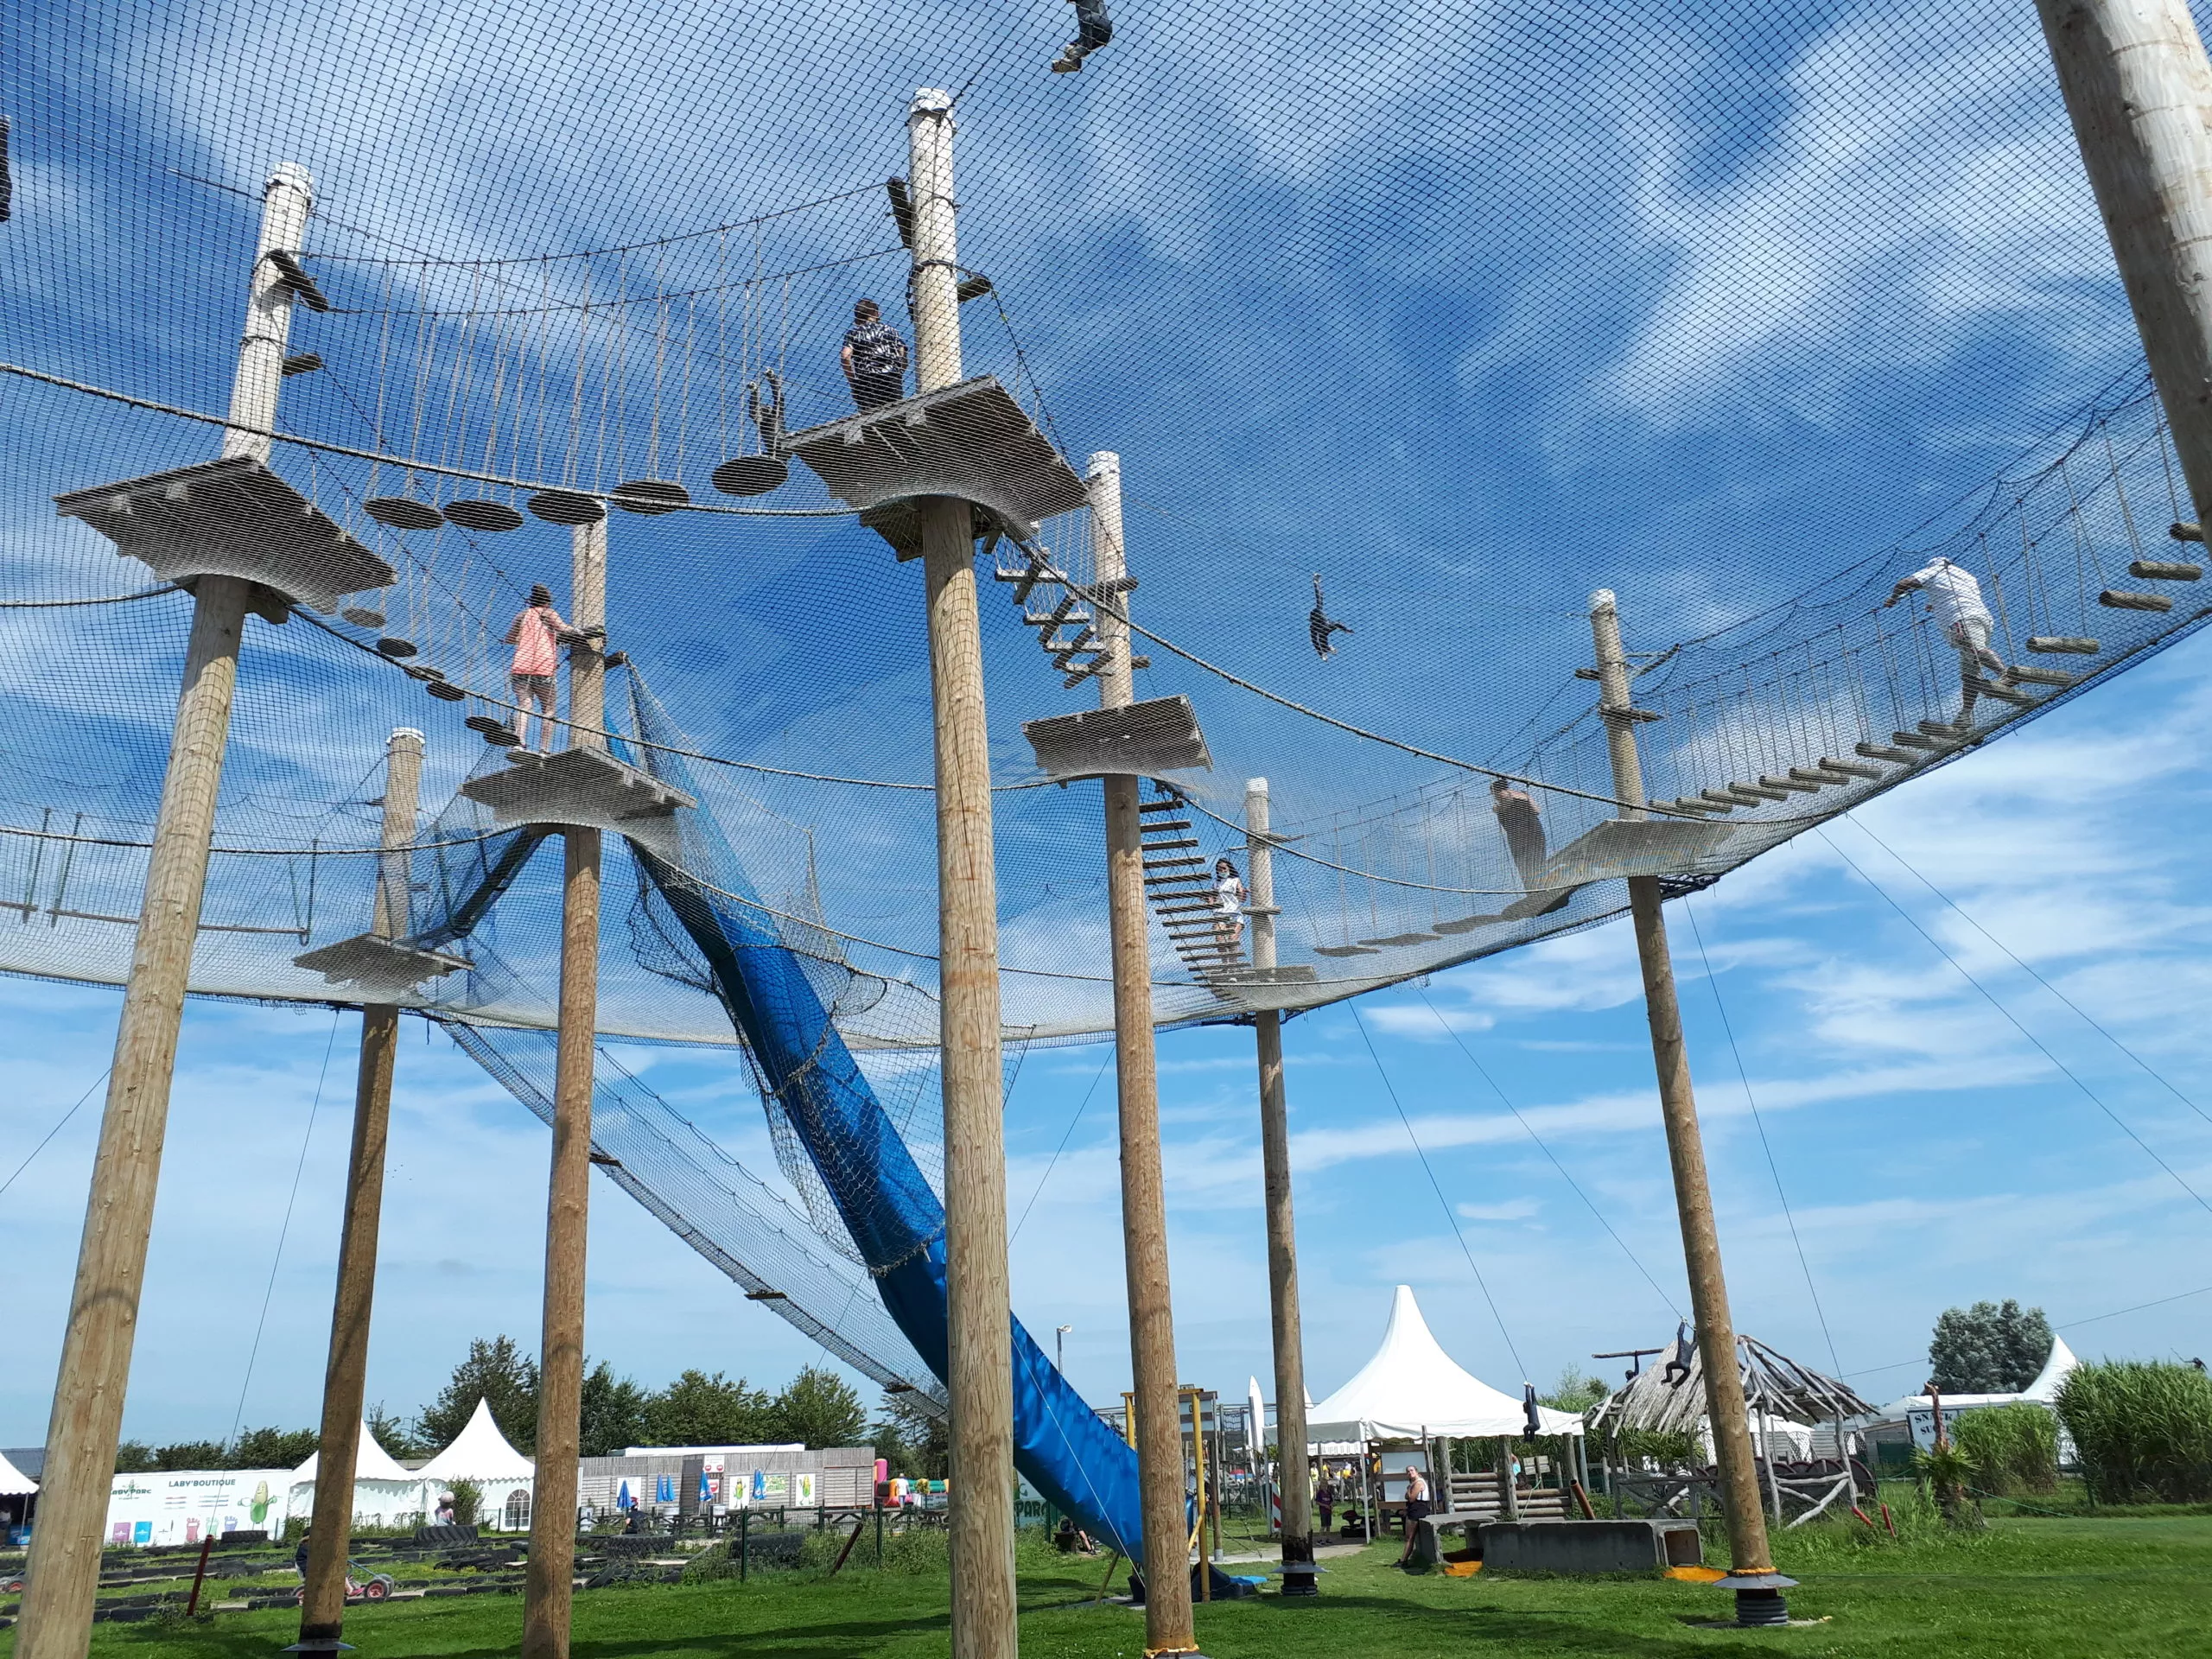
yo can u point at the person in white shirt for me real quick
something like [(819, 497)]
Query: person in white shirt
[(1954, 600), (1229, 901)]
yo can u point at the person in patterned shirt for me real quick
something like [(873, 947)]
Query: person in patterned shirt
[(874, 357)]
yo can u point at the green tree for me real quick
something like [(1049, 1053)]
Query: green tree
[(916, 1443), (697, 1409), (273, 1449), (1574, 1391), (193, 1454), (1990, 1348), (613, 1412), (391, 1434), (817, 1407), (133, 1457), (499, 1373)]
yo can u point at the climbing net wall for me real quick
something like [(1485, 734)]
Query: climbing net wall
[(1424, 321)]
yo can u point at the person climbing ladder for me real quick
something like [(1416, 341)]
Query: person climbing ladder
[(537, 634), (1954, 600)]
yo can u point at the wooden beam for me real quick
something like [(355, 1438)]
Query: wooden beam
[(63, 1574), (1156, 1404), (1725, 1405), (322, 1606), (980, 1374), (549, 1585)]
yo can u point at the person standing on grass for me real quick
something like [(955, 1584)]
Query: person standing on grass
[(1524, 831), (1325, 1499), (536, 636), (1416, 1509), (874, 357), (1954, 600)]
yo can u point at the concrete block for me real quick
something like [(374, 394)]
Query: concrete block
[(1590, 1546)]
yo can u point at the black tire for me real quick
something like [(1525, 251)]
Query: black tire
[(375, 1589)]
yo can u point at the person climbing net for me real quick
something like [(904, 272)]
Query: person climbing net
[(1320, 626), (1093, 29)]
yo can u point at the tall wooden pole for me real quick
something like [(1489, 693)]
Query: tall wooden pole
[(1156, 1405), (549, 1587), (95, 1371), (1761, 1601), (1298, 1576), (2138, 88), (980, 1377), (322, 1608)]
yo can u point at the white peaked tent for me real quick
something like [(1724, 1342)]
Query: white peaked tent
[(371, 1462), (2043, 1391), (384, 1494), (1412, 1387), (13, 1483), (480, 1455)]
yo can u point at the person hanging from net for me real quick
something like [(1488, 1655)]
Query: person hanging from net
[(1525, 830), (1320, 624), (1954, 600), (1093, 29), (536, 636), (874, 357)]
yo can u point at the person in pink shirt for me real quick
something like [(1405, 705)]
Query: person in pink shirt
[(536, 636)]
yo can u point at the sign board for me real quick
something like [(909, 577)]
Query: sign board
[(186, 1505)]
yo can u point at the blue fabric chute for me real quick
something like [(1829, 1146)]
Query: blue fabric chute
[(895, 1218)]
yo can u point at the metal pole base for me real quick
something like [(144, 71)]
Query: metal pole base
[(1299, 1582), (1759, 1601), (1760, 1607), (318, 1644)]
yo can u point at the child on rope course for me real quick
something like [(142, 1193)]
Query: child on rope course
[(537, 630), (1093, 29), (1229, 899), (1954, 600)]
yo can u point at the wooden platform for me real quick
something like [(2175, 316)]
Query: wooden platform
[(231, 517), (586, 788), (973, 441), (1620, 847), (1143, 739), (383, 971)]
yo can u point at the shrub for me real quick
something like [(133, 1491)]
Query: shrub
[(2142, 1429), (467, 1501), (2011, 1448)]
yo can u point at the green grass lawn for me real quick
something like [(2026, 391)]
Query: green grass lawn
[(2033, 1589)]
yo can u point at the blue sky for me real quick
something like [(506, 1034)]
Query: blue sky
[(1930, 1156), (1468, 312)]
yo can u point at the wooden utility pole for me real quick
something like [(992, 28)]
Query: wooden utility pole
[(322, 1608), (1759, 1587), (95, 1371), (1298, 1576), (549, 1587), (2139, 91), (1156, 1405), (979, 1373)]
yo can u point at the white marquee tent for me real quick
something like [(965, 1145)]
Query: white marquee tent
[(13, 1483), (385, 1495), (1918, 1411), (1412, 1387), (480, 1455)]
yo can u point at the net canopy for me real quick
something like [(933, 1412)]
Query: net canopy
[(1424, 321)]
